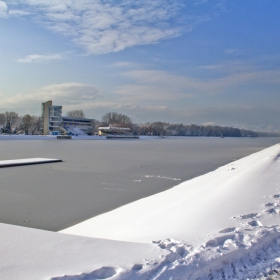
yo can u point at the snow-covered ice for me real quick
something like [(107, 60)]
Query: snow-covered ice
[(222, 225), (26, 161)]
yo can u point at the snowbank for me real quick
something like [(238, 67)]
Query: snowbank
[(229, 197), (222, 225), (33, 254)]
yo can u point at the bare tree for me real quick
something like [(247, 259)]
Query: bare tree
[(115, 119), (11, 117), (76, 114), (35, 125), (26, 123), (2, 119), (30, 124)]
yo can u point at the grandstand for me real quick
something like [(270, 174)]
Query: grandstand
[(77, 126), (116, 132)]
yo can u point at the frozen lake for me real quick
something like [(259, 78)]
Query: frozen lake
[(98, 176)]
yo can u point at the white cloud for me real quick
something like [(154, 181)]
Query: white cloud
[(163, 86), (147, 93), (18, 13), (123, 64), (208, 123), (69, 93), (111, 26), (3, 9), (105, 26), (40, 58), (61, 94)]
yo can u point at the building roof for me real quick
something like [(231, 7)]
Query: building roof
[(65, 118)]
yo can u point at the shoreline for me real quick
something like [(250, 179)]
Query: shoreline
[(96, 137)]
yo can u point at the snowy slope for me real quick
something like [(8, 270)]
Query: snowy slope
[(32, 254), (218, 225), (206, 204)]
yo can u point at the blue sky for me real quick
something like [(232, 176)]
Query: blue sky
[(192, 61)]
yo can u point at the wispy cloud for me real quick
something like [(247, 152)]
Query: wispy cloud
[(3, 9), (208, 123), (199, 2), (123, 64), (18, 13), (108, 26), (244, 67), (61, 94), (69, 92), (220, 7), (231, 51), (40, 58), (161, 86)]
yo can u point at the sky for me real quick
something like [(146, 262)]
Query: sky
[(178, 61)]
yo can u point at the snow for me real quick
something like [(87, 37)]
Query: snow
[(75, 130), (222, 225), (26, 161), (34, 254)]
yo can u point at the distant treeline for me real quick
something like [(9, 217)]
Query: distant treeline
[(11, 122), (167, 129)]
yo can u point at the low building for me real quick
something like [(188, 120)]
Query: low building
[(52, 122)]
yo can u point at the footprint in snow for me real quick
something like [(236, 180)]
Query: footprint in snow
[(249, 216), (231, 229), (269, 204), (103, 273), (219, 240), (255, 223), (272, 211), (137, 267)]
